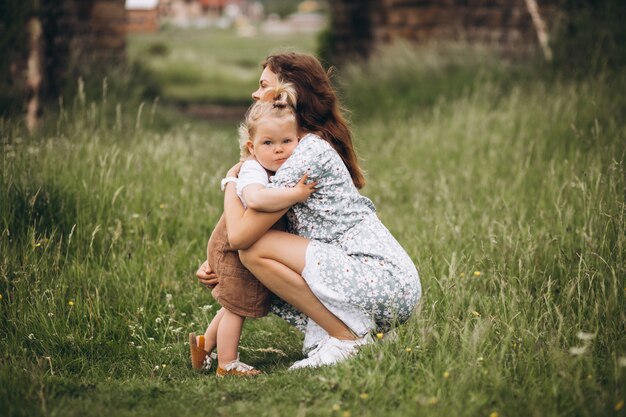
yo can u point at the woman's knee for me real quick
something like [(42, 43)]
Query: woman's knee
[(249, 257)]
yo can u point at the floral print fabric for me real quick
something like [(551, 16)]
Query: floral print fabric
[(353, 264)]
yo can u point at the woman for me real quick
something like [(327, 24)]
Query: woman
[(340, 271)]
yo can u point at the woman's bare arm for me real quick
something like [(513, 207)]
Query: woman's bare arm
[(245, 227)]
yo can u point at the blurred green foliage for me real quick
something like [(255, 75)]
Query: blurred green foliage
[(282, 8), (593, 37)]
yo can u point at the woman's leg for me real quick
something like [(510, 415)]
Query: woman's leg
[(228, 335), (277, 259)]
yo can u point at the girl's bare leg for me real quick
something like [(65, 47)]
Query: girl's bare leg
[(210, 336), (228, 335), (277, 259)]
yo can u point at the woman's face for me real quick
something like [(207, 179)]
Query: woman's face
[(268, 79)]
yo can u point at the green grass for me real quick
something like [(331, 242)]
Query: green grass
[(209, 65), (509, 194)]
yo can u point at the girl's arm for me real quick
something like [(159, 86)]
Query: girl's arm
[(245, 226), (267, 200)]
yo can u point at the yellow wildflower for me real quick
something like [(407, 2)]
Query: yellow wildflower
[(619, 405), (475, 313), (493, 414), (477, 273), (346, 414), (336, 407), (164, 365), (433, 401), (446, 375), (364, 396), (161, 205), (409, 349), (0, 296), (70, 303), (379, 336)]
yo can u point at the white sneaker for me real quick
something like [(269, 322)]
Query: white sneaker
[(331, 351)]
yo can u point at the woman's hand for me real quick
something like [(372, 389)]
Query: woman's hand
[(206, 276), (303, 189), (234, 170)]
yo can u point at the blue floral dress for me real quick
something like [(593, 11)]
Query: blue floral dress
[(354, 265)]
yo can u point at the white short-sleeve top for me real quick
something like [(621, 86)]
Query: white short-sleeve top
[(251, 172)]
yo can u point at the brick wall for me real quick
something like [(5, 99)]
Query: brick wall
[(361, 26), (141, 21)]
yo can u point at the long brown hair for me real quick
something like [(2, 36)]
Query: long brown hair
[(318, 109)]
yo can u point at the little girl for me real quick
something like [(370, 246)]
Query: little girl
[(267, 138)]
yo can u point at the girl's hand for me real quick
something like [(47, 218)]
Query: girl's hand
[(234, 171), (206, 276), (303, 189)]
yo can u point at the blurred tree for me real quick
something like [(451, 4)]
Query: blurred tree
[(13, 17), (48, 43), (593, 37)]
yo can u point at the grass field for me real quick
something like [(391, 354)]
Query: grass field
[(209, 65), (507, 190)]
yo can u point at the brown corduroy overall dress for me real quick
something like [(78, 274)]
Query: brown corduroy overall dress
[(237, 289)]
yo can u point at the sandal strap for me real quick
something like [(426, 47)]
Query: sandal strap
[(208, 360), (239, 366)]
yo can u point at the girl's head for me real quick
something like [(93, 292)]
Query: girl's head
[(318, 109), (270, 129)]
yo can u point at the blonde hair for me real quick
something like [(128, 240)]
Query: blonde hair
[(278, 101)]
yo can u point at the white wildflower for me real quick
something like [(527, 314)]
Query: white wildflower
[(158, 320), (168, 297), (578, 350), (31, 336), (585, 336)]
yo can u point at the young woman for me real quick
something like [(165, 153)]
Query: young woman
[(339, 272)]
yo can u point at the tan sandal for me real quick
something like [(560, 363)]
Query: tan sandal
[(200, 358), (237, 368)]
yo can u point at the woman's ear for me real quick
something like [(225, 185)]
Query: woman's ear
[(250, 147)]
